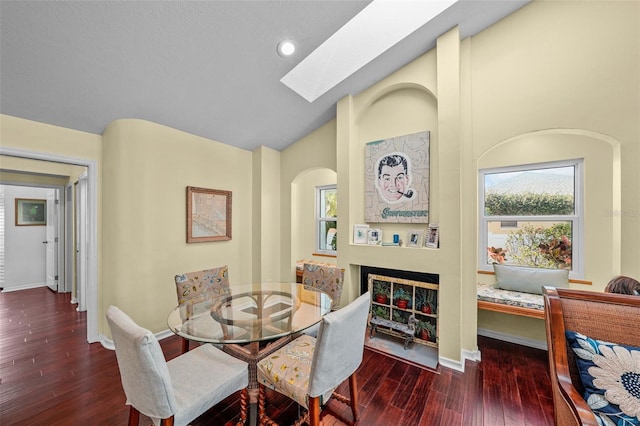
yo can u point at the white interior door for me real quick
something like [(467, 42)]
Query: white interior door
[(51, 241), (66, 285), (81, 243)]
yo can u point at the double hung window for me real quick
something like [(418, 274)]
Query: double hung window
[(532, 216), (327, 219)]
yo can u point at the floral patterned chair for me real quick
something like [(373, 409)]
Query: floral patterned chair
[(594, 382), (308, 370), (327, 279), (192, 289)]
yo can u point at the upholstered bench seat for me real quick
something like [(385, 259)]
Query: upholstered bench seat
[(511, 302), (489, 293)]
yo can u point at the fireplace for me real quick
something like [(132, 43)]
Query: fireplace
[(404, 297)]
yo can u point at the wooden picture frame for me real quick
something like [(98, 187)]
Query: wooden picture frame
[(432, 239), (208, 215), (414, 238), (31, 212)]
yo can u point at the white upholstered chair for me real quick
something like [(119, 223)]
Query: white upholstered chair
[(174, 392), (309, 369)]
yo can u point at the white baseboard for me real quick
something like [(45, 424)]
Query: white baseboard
[(459, 365), (451, 363), (23, 287), (537, 344)]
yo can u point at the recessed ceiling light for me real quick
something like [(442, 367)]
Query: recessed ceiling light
[(286, 48)]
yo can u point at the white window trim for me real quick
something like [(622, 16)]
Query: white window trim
[(319, 218), (577, 218)]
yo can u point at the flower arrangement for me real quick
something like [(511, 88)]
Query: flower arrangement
[(497, 254), (558, 251)]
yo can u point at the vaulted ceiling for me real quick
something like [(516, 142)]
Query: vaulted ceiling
[(209, 68)]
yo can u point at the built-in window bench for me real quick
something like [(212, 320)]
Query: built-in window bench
[(510, 302), (513, 302)]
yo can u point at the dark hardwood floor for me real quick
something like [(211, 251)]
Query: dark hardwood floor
[(50, 375)]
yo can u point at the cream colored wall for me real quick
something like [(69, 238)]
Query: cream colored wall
[(266, 215), (303, 204), (316, 150), (32, 180), (147, 169), (60, 174), (560, 80), (555, 80)]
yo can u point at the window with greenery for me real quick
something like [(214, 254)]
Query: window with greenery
[(326, 219), (532, 216)]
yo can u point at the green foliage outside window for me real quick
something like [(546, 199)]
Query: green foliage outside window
[(541, 247), (528, 204)]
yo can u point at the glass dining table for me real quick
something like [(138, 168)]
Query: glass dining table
[(250, 322)]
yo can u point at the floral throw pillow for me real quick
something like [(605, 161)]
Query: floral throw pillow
[(610, 374)]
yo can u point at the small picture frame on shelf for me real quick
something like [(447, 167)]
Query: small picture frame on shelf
[(360, 234), (414, 237), (433, 236), (374, 236)]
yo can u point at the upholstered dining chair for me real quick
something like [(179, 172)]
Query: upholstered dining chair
[(327, 279), (308, 370), (192, 288), (177, 391)]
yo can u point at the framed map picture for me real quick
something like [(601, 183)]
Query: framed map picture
[(208, 215), (397, 179)]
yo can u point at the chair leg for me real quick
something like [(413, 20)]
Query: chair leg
[(185, 345), (314, 411), (134, 416), (167, 422), (263, 418), (243, 408), (353, 392)]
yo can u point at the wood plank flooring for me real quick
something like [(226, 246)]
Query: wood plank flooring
[(50, 375)]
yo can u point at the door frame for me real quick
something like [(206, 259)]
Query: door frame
[(92, 227)]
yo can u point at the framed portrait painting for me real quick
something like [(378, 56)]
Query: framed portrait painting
[(208, 215), (397, 179), (31, 212)]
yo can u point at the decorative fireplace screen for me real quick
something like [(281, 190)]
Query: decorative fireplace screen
[(397, 299)]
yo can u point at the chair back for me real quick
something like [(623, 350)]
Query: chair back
[(602, 316), (143, 369), (192, 287), (339, 346), (327, 279)]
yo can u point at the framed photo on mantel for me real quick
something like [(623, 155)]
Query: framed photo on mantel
[(208, 215)]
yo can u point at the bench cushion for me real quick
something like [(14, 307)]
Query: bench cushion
[(529, 280), (489, 293)]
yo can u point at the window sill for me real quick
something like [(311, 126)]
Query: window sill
[(324, 255)]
